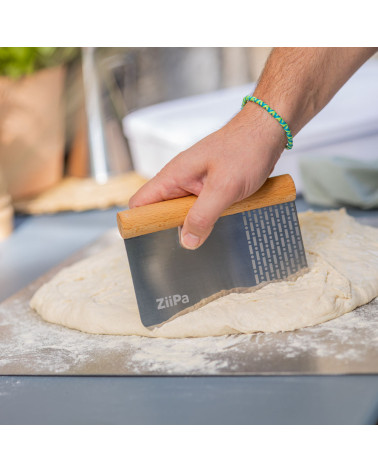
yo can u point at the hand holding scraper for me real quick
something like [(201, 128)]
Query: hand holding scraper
[(256, 241)]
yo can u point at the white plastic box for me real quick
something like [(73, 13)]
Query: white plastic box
[(347, 126)]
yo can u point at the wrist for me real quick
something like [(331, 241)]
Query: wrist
[(265, 126), (274, 114)]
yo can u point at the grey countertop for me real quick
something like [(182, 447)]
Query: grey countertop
[(40, 243)]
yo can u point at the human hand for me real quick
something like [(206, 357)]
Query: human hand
[(221, 169)]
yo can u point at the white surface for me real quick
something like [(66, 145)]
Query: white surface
[(157, 133)]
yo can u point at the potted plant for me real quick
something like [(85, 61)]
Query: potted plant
[(32, 135)]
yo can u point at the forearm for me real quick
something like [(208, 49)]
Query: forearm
[(299, 82), (233, 162)]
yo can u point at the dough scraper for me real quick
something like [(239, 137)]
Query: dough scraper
[(255, 241)]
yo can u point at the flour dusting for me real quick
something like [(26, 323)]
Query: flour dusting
[(32, 346)]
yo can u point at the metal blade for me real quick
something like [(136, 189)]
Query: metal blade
[(243, 250)]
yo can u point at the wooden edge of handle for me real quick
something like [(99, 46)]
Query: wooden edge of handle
[(171, 213)]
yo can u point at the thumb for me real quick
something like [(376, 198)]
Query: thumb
[(199, 222)]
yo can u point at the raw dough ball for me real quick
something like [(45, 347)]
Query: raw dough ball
[(96, 295)]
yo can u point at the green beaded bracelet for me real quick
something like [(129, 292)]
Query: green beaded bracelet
[(276, 116)]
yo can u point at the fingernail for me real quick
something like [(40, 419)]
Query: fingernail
[(190, 241)]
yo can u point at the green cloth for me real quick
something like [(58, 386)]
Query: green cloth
[(335, 181)]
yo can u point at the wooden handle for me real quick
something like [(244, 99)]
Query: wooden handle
[(171, 213)]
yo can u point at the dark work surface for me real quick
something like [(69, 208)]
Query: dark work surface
[(40, 243), (189, 400)]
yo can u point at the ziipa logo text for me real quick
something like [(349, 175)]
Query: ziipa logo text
[(170, 301)]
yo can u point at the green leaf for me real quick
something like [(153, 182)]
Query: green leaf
[(17, 62)]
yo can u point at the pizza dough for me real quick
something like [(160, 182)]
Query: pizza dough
[(96, 295), (76, 194)]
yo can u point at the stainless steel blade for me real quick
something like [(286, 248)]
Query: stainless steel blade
[(243, 250)]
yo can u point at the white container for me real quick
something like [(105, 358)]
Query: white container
[(158, 133)]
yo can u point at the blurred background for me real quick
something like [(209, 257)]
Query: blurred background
[(83, 129)]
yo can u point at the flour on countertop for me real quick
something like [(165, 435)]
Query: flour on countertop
[(30, 345)]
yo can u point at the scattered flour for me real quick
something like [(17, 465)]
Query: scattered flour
[(32, 346)]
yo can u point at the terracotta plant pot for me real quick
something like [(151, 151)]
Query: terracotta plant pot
[(32, 135)]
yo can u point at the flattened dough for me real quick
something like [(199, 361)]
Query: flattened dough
[(96, 295), (74, 194)]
